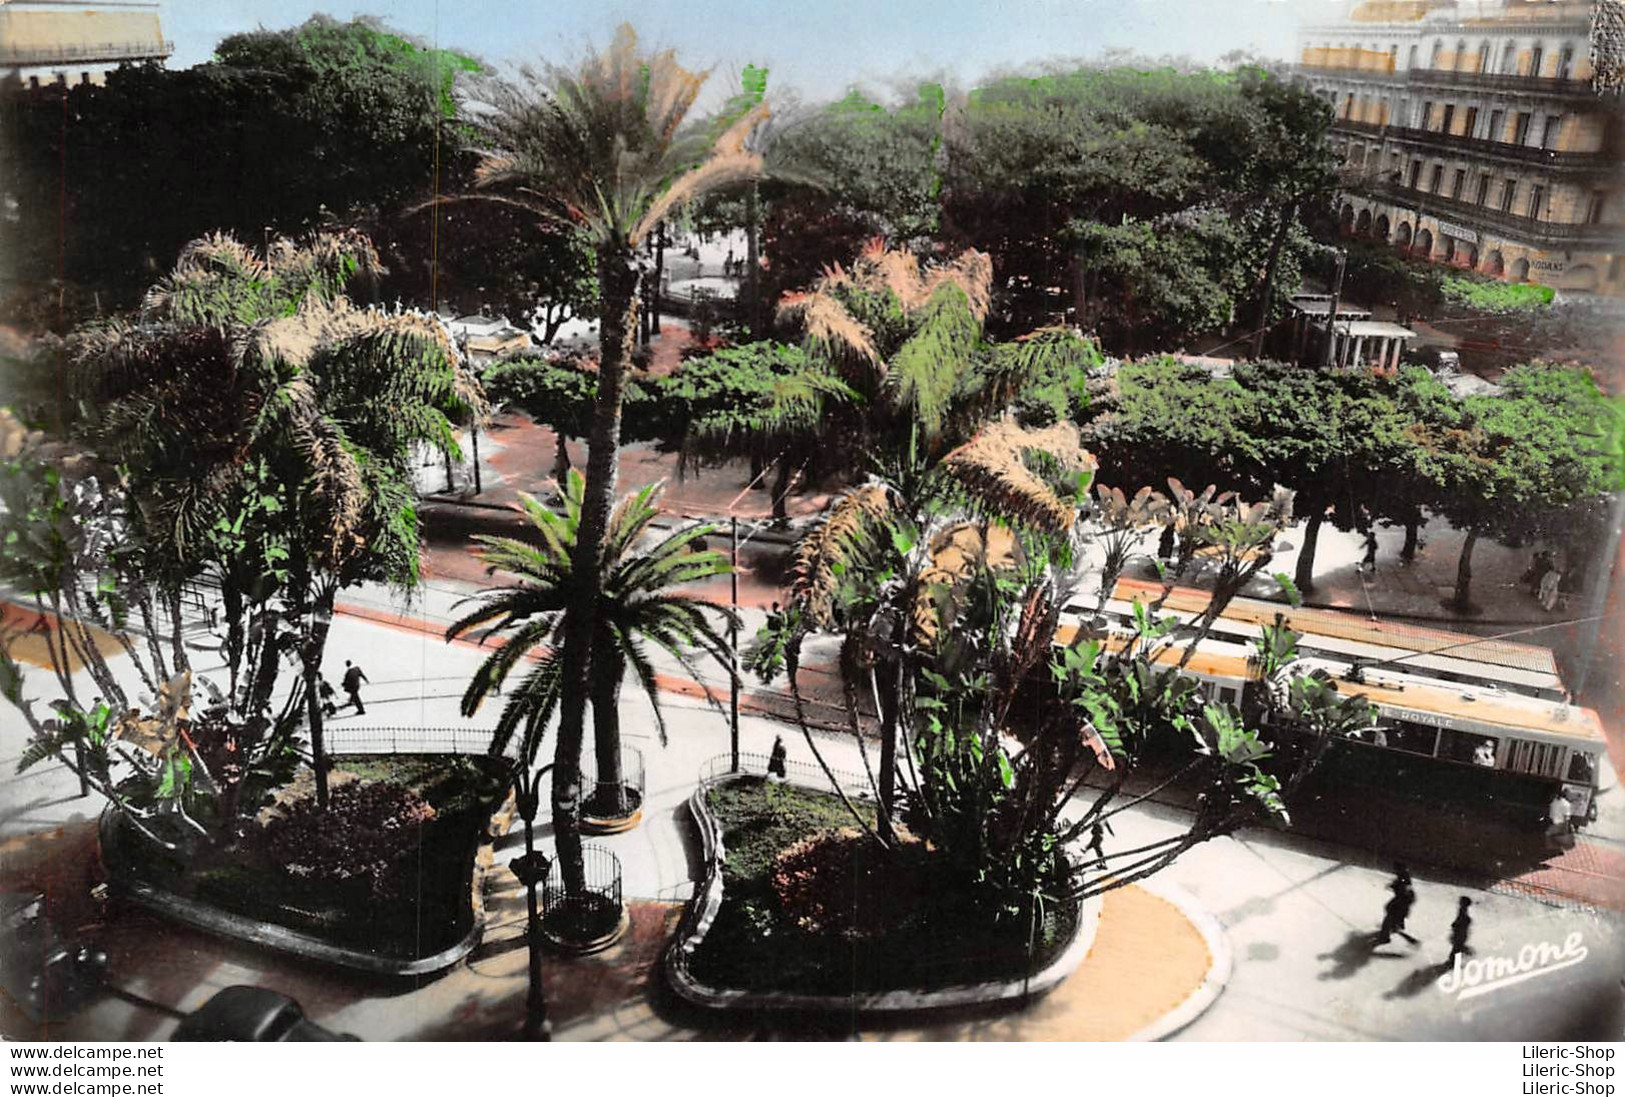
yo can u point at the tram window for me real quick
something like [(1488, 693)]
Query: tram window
[(1227, 695), (1467, 746), (1409, 737), (1581, 768), (1544, 759)]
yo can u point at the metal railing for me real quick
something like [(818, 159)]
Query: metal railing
[(603, 891), (1598, 161), (346, 739), (600, 797), (804, 774), (1525, 228), (1502, 81), (1547, 86)]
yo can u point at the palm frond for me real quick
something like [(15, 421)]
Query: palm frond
[(830, 328), (831, 547), (996, 469), (926, 370)]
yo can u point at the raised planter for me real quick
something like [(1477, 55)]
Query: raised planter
[(151, 891), (702, 912)]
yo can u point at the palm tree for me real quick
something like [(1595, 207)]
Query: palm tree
[(602, 151), (266, 426), (639, 605), (892, 361)]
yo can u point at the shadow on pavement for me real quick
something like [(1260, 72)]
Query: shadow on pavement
[(1418, 981)]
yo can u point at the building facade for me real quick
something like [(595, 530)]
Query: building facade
[(45, 42), (1474, 134)]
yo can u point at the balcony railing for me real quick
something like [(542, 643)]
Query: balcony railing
[(98, 51), (1451, 78), (1501, 81), (1599, 161), (1526, 229)]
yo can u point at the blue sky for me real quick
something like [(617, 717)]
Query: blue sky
[(819, 47)]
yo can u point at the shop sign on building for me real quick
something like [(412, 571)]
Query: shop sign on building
[(1447, 229)]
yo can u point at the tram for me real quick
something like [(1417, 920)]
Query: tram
[(1430, 653), (1469, 727)]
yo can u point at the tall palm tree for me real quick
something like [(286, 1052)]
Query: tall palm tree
[(601, 150), (640, 605), (266, 426)]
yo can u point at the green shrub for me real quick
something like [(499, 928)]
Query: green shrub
[(1488, 296)]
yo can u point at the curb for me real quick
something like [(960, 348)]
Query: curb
[(455, 501), (241, 928), (1222, 963), (702, 910)]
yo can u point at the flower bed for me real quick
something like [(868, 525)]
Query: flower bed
[(384, 872), (773, 932)]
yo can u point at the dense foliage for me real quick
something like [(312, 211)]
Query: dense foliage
[(365, 833), (262, 429), (321, 125), (1361, 446)]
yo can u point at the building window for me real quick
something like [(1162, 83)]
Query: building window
[(1599, 198), (1616, 266), (1565, 63), (1537, 199), (1433, 58), (1416, 173), (1438, 178), (1393, 57), (1410, 58), (1536, 57), (1484, 56), (1460, 60), (1459, 183), (1509, 191), (1483, 189), (1520, 128), (1469, 124), (1448, 117), (1509, 58), (1427, 115), (1548, 135), (1497, 130)]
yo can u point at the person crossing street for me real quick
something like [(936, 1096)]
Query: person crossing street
[(353, 677)]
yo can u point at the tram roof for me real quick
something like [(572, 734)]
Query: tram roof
[(1381, 653), (1473, 709), (1348, 626)]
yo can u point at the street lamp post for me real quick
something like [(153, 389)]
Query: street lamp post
[(1331, 311), (531, 868), (733, 643)]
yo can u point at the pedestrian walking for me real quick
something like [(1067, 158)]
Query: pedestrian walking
[(329, 708), (1369, 564), (1399, 906), (1097, 841), (353, 677), (1460, 930), (1549, 590), (1559, 829), (776, 760)]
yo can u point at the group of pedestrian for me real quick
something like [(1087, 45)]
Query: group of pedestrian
[(351, 683), (1398, 911)]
